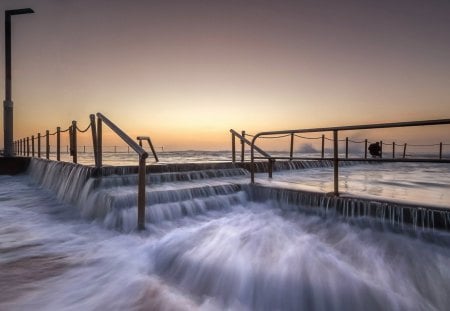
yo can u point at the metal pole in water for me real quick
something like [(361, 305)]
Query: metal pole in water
[(233, 148), (141, 194), (39, 145), (32, 146), (393, 150), (291, 155), (58, 143), (47, 144), (242, 146), (365, 148), (74, 142), (346, 147), (404, 151), (440, 151), (323, 146), (99, 142), (381, 148), (28, 146), (336, 162), (94, 138)]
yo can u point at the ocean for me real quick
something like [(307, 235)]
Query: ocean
[(211, 245)]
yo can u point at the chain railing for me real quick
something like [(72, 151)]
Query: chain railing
[(22, 147)]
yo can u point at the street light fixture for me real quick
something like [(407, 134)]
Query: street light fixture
[(8, 103)]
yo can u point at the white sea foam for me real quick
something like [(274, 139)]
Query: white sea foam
[(209, 249)]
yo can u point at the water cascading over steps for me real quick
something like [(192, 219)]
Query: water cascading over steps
[(174, 193), (112, 200)]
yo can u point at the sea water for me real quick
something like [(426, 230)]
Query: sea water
[(223, 251)]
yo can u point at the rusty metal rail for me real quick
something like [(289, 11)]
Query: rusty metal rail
[(147, 138), (335, 130), (244, 141), (139, 150)]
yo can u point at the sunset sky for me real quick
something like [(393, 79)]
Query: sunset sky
[(185, 72)]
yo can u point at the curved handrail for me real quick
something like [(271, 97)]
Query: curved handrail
[(142, 168), (130, 142), (335, 131)]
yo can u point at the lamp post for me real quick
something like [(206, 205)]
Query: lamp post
[(8, 103)]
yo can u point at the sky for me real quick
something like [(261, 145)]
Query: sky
[(185, 72)]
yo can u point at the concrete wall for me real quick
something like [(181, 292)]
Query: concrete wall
[(13, 165)]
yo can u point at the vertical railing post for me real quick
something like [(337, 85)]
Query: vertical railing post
[(28, 146), (346, 147), (381, 148), (365, 148), (270, 167), (39, 145), (152, 149), (393, 150), (440, 151), (252, 161), (323, 146), (336, 162), (404, 150), (32, 146), (58, 143), (47, 144), (20, 146), (242, 146), (74, 142), (141, 194), (94, 139), (233, 148), (99, 142), (291, 154)]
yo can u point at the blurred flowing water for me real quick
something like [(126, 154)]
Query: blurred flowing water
[(210, 246)]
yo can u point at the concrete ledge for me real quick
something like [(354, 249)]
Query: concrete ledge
[(13, 165)]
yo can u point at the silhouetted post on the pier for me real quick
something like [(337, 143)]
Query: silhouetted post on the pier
[(242, 146), (94, 138), (404, 151), (323, 146), (47, 144), (8, 125), (58, 143), (39, 145), (99, 142), (74, 150), (440, 151), (233, 148), (32, 146), (336, 162), (291, 154), (346, 147), (393, 150), (28, 146), (365, 148)]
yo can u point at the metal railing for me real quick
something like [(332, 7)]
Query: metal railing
[(97, 139), (146, 138), (22, 147), (244, 141), (335, 158)]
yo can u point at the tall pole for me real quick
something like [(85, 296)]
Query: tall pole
[(8, 103)]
